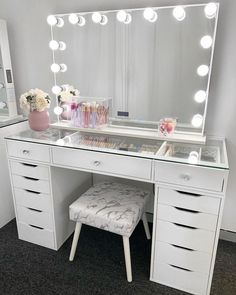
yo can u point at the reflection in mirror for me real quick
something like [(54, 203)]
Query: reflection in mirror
[(8, 108), (154, 63)]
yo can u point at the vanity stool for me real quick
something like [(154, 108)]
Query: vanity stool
[(114, 207)]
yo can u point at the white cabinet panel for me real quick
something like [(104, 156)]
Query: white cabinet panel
[(32, 184), (30, 169)]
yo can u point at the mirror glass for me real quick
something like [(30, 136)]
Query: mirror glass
[(157, 65), (3, 94)]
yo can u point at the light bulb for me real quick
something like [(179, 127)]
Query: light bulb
[(60, 141), (54, 45), (193, 157), (210, 10), (202, 70), (1, 85), (56, 89), (58, 110), (121, 16), (73, 18), (200, 96), (206, 41), (197, 120), (51, 20), (96, 17), (55, 68), (81, 21), (179, 13), (104, 20), (150, 15), (62, 45), (60, 22)]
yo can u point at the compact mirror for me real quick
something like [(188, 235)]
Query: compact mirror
[(154, 63), (8, 109)]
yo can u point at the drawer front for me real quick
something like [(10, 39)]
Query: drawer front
[(192, 238), (28, 151), (182, 257), (102, 162), (43, 237), (188, 281), (35, 217), (187, 217), (191, 176), (33, 199), (189, 201), (32, 184), (31, 170)]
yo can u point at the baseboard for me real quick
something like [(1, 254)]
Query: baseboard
[(228, 235)]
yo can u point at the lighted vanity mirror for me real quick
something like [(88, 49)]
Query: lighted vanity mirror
[(155, 63), (8, 108)]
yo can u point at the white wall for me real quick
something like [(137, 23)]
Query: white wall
[(29, 35)]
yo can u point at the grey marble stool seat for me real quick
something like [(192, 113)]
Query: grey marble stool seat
[(113, 207)]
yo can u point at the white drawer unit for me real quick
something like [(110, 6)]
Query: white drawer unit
[(36, 235), (30, 183), (33, 199), (190, 176), (104, 163), (28, 151), (30, 170), (35, 217)]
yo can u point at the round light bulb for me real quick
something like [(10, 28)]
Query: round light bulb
[(206, 41), (202, 70), (96, 17), (179, 13), (193, 157), (55, 68), (60, 22), (81, 21), (51, 20), (210, 10), (197, 120), (121, 16), (62, 45), (58, 110), (60, 141), (104, 20), (56, 89), (200, 96), (150, 15), (54, 45), (73, 18), (63, 68)]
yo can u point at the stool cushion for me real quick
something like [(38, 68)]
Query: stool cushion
[(114, 207)]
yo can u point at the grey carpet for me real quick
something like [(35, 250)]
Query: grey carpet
[(98, 267)]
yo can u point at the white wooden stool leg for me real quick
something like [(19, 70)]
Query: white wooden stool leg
[(146, 227), (127, 258), (75, 240)]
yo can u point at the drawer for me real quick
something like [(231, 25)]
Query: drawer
[(188, 281), (39, 236), (28, 151), (32, 184), (31, 170), (102, 162), (33, 199), (35, 217), (187, 217), (188, 200), (182, 257), (190, 176), (192, 238)]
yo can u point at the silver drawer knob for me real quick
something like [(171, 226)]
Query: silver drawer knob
[(26, 152), (185, 177), (96, 163)]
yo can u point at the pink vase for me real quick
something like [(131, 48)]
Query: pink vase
[(66, 114), (39, 121)]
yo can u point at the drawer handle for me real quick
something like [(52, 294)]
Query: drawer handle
[(26, 152), (32, 192), (190, 194), (31, 178), (38, 227), (96, 163), (186, 210), (185, 177), (186, 226), (30, 165), (185, 269), (180, 247), (36, 210)]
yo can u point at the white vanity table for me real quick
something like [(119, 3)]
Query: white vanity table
[(49, 169)]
